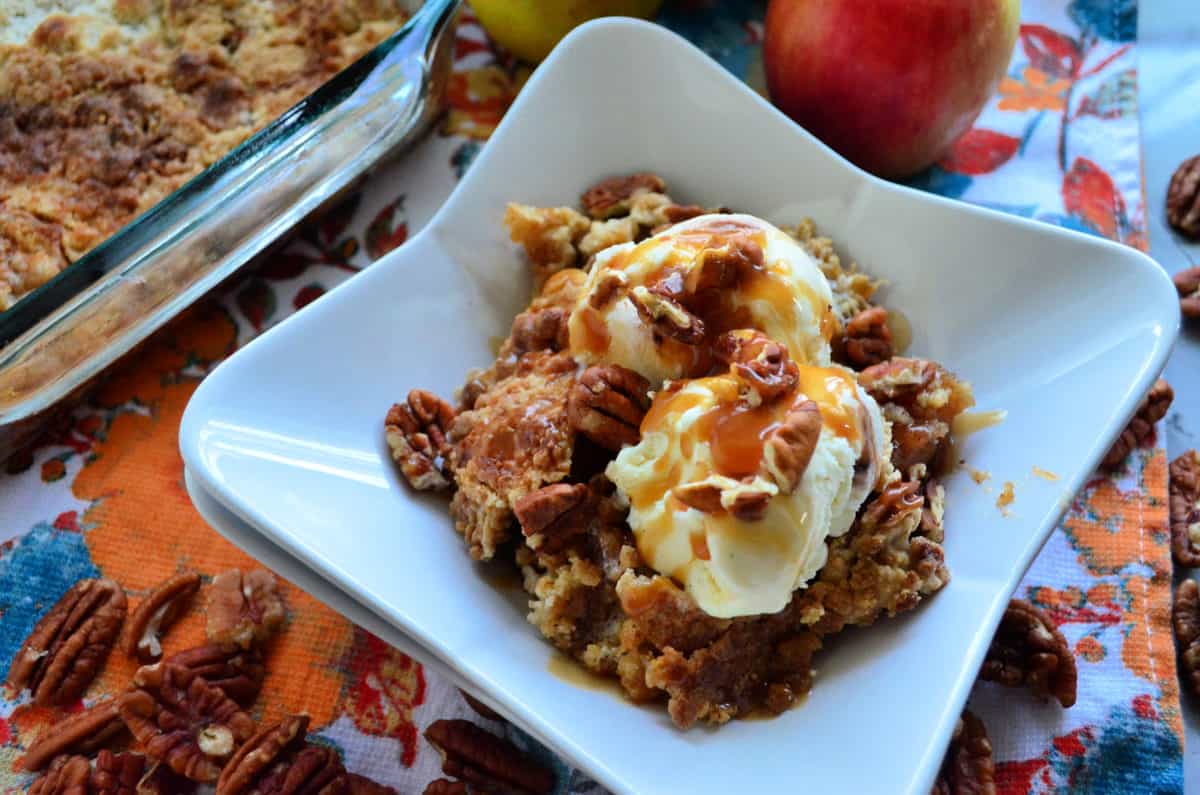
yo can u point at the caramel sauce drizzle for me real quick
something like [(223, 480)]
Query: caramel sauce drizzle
[(736, 435), (721, 311), (736, 432), (825, 386), (594, 336)]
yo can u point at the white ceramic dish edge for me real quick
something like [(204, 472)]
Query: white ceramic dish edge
[(243, 536)]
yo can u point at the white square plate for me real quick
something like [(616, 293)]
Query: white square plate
[(1064, 331)]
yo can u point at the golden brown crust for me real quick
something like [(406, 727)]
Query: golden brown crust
[(515, 440), (100, 122), (714, 669)]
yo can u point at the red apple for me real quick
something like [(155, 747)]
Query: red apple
[(889, 84)]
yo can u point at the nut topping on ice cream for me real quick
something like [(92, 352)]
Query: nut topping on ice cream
[(740, 477), (657, 306)]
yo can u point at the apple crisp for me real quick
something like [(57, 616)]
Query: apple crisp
[(699, 445), (105, 112)]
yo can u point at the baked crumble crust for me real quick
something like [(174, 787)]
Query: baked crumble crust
[(104, 113), (514, 440), (591, 595), (715, 669)]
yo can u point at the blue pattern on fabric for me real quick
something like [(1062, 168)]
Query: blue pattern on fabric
[(41, 566)]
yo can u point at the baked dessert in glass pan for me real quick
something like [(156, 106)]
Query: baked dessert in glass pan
[(148, 150)]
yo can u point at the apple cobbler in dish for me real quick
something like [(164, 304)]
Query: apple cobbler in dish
[(106, 110), (698, 446)]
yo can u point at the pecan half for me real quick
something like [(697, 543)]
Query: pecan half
[(1029, 650), (1184, 503), (1185, 618), (479, 757), (867, 340), (553, 514), (67, 775), (311, 770), (1152, 409), (156, 613), (1183, 198), (416, 434), (83, 732), (444, 786), (758, 361), (238, 673), (361, 785), (608, 285), (1187, 284), (666, 315), (790, 446), (68, 647), (721, 267), (667, 215), (749, 504), (184, 721), (244, 610), (481, 709), (921, 399), (934, 511), (259, 753), (117, 774), (717, 494), (278, 759), (968, 767), (611, 196), (704, 496), (160, 779), (538, 330), (607, 405), (675, 213), (900, 497)]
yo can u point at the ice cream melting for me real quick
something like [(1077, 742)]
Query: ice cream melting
[(712, 503), (775, 287), (708, 431)]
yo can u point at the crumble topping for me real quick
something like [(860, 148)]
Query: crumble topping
[(104, 113), (537, 441), (1044, 474), (1006, 498)]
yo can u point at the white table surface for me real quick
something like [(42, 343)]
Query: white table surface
[(1169, 99)]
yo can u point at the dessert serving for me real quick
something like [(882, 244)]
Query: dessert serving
[(107, 110), (699, 446)]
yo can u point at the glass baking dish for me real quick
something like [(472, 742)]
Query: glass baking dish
[(59, 338)]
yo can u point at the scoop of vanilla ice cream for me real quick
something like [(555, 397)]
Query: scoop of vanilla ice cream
[(785, 296), (705, 430)]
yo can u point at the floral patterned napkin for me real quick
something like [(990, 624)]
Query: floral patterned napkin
[(104, 494)]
